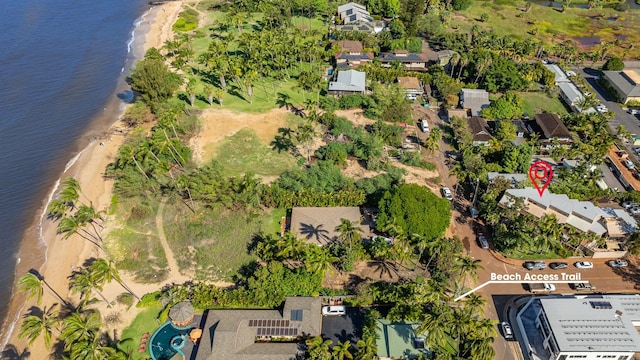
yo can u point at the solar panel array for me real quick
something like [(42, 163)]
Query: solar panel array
[(269, 323), (277, 331)]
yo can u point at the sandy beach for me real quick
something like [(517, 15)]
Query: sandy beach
[(63, 256)]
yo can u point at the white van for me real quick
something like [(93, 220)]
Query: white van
[(424, 125), (334, 310)]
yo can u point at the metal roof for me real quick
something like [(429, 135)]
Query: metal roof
[(350, 80)]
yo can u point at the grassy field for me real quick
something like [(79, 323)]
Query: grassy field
[(271, 221), (507, 17), (145, 322), (243, 152), (213, 243), (537, 102)]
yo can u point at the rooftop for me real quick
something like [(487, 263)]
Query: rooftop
[(317, 224), (402, 56), (571, 92), (409, 82), (552, 126), (561, 77), (350, 80), (396, 340), (479, 129), (593, 324), (475, 100), (350, 45), (628, 81)]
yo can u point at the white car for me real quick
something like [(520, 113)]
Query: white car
[(618, 263), (601, 108), (584, 265), (334, 310), (506, 330), (629, 164), (571, 73), (446, 193), (424, 125)]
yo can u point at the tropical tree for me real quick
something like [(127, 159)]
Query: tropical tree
[(318, 348), (82, 282), (103, 271), (33, 285), (342, 351), (304, 135), (349, 231), (44, 323), (367, 348), (432, 142), (80, 327), (468, 266), (318, 260)]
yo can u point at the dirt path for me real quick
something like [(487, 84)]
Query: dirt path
[(174, 269)]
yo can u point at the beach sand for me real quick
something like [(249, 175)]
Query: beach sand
[(63, 256)]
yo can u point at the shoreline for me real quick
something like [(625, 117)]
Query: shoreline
[(41, 248)]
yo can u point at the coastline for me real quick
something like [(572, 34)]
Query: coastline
[(55, 258)]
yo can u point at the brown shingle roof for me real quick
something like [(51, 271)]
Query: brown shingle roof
[(479, 129), (350, 45), (317, 224), (409, 82), (552, 126)]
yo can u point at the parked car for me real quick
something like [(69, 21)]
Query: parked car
[(634, 210), (629, 164), (535, 265), (334, 310), (634, 111), (482, 241), (571, 73), (584, 265), (629, 204), (446, 193), (473, 212), (618, 263), (541, 287), (385, 239), (602, 108), (558, 265), (424, 125), (507, 332)]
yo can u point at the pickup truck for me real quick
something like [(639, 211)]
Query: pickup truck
[(583, 287), (541, 287)]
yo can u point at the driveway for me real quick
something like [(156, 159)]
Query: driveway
[(342, 328)]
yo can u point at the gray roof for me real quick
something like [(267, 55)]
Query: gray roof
[(623, 82), (371, 27), (402, 56), (352, 12), (350, 80), (475, 100), (589, 325), (561, 77), (229, 334), (582, 215), (317, 224), (571, 92), (181, 312)]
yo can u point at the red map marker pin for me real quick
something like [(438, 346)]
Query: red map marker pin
[(541, 174)]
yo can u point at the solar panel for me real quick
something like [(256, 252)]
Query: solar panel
[(277, 331)]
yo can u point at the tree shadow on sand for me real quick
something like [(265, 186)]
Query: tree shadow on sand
[(11, 352)]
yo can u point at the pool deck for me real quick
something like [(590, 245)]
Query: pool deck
[(189, 347)]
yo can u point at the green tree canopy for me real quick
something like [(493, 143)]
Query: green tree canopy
[(507, 107), (416, 210), (153, 80), (613, 64)]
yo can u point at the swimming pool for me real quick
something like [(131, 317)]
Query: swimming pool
[(168, 341)]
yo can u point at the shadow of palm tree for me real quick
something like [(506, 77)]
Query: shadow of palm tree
[(320, 234), (11, 352)]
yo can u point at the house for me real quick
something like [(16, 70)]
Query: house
[(351, 54), (411, 85), (514, 179), (591, 327), (353, 12), (246, 333), (521, 131), (479, 131), (474, 100), (398, 340), (582, 215), (551, 128), (561, 76), (369, 27), (625, 83), (348, 82), (571, 96), (411, 61), (318, 224)]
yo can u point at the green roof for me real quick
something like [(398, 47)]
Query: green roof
[(396, 339)]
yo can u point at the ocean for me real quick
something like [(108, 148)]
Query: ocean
[(63, 64)]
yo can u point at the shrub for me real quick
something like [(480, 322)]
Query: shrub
[(187, 21), (150, 300), (613, 64)]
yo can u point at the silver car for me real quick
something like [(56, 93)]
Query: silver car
[(446, 193)]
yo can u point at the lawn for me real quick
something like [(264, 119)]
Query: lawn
[(145, 322), (521, 256), (507, 17), (243, 153), (537, 102), (271, 221), (212, 243)]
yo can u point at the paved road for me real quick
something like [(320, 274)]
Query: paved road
[(630, 122)]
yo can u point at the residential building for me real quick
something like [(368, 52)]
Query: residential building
[(399, 340), (551, 128), (411, 61), (369, 27), (521, 131), (582, 215), (318, 224), (348, 82), (479, 131), (571, 96), (625, 83), (411, 85), (351, 54), (514, 179), (474, 100), (561, 76), (353, 12), (246, 334), (593, 327)]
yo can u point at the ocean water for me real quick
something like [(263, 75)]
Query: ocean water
[(62, 64)]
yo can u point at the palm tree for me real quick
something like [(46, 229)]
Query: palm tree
[(33, 285), (367, 348), (191, 90), (349, 232), (82, 282), (319, 260), (70, 192), (44, 323), (453, 62), (342, 351), (92, 350), (80, 327), (466, 265), (432, 143), (318, 348), (106, 271), (70, 226), (475, 304), (290, 246), (304, 135)]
